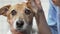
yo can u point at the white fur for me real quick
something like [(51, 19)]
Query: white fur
[(9, 32), (24, 26), (14, 24)]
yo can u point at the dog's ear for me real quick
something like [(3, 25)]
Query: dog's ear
[(4, 10)]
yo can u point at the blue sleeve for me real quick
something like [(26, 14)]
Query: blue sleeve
[(58, 19)]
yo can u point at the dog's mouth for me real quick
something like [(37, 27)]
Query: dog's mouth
[(19, 29)]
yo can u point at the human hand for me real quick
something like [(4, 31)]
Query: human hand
[(56, 2)]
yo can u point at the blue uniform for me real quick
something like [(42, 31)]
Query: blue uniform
[(54, 18)]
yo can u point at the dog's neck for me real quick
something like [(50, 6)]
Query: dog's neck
[(15, 32)]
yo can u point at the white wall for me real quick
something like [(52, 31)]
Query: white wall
[(3, 20), (45, 4)]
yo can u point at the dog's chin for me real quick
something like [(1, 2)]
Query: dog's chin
[(20, 30)]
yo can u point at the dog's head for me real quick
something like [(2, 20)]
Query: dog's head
[(19, 16)]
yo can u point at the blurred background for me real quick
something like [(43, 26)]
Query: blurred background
[(4, 26)]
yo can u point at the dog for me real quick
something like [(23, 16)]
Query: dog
[(19, 17)]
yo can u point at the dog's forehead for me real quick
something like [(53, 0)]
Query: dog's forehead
[(19, 6)]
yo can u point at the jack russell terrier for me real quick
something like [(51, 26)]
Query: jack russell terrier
[(20, 17)]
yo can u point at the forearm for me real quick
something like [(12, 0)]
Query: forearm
[(41, 23), (40, 19)]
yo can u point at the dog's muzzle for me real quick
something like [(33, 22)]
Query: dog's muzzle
[(20, 25)]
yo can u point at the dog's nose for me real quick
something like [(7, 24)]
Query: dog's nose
[(20, 23)]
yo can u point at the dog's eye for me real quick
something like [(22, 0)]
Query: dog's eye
[(27, 11), (13, 12)]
